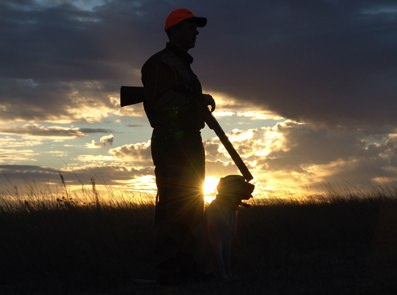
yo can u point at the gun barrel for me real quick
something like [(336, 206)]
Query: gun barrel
[(214, 125), (132, 95)]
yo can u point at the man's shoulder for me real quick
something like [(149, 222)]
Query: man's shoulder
[(157, 55), (164, 56)]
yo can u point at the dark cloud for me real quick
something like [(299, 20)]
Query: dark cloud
[(329, 62), (107, 175), (13, 176), (365, 174), (57, 131), (54, 59), (306, 145), (341, 158), (37, 177), (94, 130)]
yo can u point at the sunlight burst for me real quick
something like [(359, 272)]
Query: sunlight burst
[(209, 187)]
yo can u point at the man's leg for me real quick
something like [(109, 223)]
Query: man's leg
[(180, 208)]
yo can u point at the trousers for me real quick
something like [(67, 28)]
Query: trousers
[(179, 161)]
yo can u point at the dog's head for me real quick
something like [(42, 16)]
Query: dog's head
[(235, 188)]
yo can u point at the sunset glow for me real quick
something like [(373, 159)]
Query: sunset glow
[(210, 184), (300, 124)]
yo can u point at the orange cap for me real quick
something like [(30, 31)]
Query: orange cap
[(178, 15)]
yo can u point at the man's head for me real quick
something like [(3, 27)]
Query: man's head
[(181, 27)]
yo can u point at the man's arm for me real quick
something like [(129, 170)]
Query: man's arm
[(213, 124)]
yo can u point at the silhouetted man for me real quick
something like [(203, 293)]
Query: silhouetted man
[(173, 106)]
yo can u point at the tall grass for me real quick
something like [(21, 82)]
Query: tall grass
[(35, 197), (96, 241)]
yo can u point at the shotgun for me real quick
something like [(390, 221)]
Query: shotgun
[(132, 95)]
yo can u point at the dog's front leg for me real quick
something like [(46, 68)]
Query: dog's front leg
[(227, 256), (228, 243), (218, 258)]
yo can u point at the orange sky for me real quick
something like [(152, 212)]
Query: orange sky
[(306, 93)]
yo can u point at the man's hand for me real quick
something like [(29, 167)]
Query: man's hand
[(209, 101)]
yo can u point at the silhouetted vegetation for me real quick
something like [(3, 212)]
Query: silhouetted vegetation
[(344, 246)]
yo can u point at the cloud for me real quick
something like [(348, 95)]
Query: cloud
[(57, 101), (295, 156), (11, 155), (306, 144), (107, 175), (52, 131), (326, 62), (317, 61), (54, 63), (106, 140), (138, 154), (289, 157), (25, 174), (11, 142), (39, 177), (329, 65)]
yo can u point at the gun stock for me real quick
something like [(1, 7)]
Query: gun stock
[(132, 95)]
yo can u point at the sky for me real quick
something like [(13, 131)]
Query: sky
[(306, 91)]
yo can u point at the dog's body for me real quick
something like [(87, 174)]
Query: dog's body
[(221, 226), (221, 223)]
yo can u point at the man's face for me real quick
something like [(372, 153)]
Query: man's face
[(185, 34)]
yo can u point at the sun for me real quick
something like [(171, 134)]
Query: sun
[(209, 188)]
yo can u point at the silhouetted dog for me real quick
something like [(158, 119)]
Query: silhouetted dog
[(221, 221)]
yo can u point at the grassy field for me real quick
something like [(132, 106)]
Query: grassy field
[(346, 246)]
